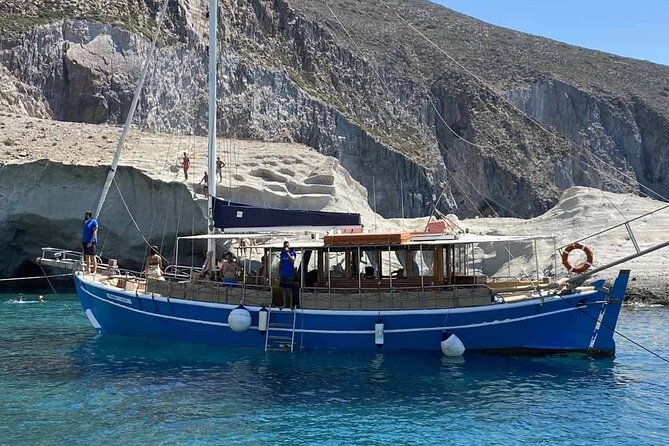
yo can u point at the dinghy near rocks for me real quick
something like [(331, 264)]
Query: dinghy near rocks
[(351, 289)]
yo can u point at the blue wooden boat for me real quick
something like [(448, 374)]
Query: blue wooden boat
[(361, 291), (351, 290), (581, 320)]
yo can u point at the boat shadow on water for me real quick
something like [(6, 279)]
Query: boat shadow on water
[(338, 376)]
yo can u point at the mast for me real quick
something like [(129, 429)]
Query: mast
[(211, 167), (131, 113)]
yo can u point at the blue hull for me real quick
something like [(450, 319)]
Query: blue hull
[(553, 324)]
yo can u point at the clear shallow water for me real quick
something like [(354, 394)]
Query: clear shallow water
[(61, 384)]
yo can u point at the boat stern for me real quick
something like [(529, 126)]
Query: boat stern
[(603, 342)]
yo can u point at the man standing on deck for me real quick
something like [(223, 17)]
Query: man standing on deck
[(88, 240), (287, 274)]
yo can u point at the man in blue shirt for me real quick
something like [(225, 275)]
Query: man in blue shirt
[(287, 273), (88, 240)]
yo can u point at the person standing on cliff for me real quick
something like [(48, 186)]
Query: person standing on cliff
[(89, 239), (186, 165), (205, 182), (219, 168)]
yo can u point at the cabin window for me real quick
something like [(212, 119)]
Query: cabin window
[(275, 262), (312, 264), (311, 268), (422, 262), (354, 263), (370, 264), (384, 263), (335, 264), (387, 263), (447, 262), (461, 260)]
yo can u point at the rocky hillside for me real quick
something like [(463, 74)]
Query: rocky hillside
[(52, 172), (401, 116)]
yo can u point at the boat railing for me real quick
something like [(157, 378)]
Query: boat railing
[(61, 258), (426, 297), (323, 298), (211, 291), (182, 271)]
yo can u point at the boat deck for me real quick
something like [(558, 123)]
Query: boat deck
[(428, 297)]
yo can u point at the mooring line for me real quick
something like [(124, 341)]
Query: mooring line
[(627, 338), (17, 279)]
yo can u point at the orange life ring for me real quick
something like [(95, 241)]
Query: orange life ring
[(582, 267)]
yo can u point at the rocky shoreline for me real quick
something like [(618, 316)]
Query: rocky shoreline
[(650, 290)]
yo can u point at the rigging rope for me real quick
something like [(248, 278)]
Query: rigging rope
[(443, 120), (134, 222), (47, 277), (616, 331), (429, 96), (535, 122), (511, 104), (176, 235), (104, 243)]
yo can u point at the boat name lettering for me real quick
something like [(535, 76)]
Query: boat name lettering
[(125, 300)]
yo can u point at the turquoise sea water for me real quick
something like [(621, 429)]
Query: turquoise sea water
[(62, 384)]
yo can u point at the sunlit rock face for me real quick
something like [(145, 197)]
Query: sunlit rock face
[(410, 125), (53, 171), (43, 205)]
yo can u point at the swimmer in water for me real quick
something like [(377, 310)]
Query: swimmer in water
[(40, 299)]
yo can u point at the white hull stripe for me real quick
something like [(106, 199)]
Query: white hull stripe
[(414, 330), (344, 332), (164, 316)]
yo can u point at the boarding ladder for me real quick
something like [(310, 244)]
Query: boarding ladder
[(280, 334)]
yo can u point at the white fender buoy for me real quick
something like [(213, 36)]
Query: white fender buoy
[(262, 319), (239, 319), (378, 333), (451, 345)]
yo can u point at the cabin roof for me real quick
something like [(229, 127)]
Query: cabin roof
[(421, 240)]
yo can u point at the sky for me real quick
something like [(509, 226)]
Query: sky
[(638, 29)]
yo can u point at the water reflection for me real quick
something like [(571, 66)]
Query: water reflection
[(136, 390), (324, 376)]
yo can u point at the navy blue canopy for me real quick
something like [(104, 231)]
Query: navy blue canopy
[(230, 215)]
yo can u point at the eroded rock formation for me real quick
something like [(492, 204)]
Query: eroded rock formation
[(390, 107)]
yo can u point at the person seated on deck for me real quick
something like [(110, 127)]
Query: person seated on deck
[(207, 267), (154, 265), (214, 275), (398, 274), (229, 269)]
